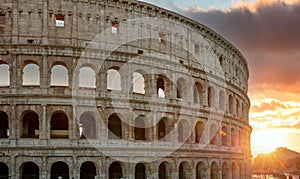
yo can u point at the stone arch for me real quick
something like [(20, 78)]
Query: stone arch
[(115, 170), (183, 130), (114, 79), (29, 170), (214, 170), (199, 130), (180, 85), (139, 128), (87, 125), (30, 124), (4, 74), (59, 75), (59, 125), (224, 136), (230, 102), (114, 127), (4, 126), (225, 171), (222, 100), (31, 74), (86, 72), (210, 96), (4, 171), (138, 83), (88, 170), (184, 170), (201, 170), (140, 171), (237, 107), (234, 171), (162, 85), (163, 170), (163, 132), (213, 134), (242, 170), (198, 96), (59, 169), (233, 137)]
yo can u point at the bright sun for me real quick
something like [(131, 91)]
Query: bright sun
[(267, 140)]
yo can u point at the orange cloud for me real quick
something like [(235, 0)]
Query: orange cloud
[(255, 5)]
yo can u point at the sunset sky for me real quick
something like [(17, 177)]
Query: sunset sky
[(267, 32)]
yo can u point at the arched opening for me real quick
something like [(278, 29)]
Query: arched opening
[(139, 129), (30, 125), (210, 96), (233, 137), (183, 131), (115, 171), (31, 75), (161, 130), (183, 171), (231, 104), (59, 170), (201, 174), (242, 174), (4, 75), (237, 107), (162, 171), (88, 170), (224, 136), (198, 98), (30, 171), (84, 74), (199, 130), (214, 171), (3, 171), (213, 134), (114, 127), (59, 126), (138, 83), (234, 171), (59, 76), (140, 171), (160, 85), (87, 126), (4, 132), (222, 100), (180, 88), (225, 171), (113, 80)]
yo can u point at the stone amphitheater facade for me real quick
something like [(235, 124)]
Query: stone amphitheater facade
[(118, 89)]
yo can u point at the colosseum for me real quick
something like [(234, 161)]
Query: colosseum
[(118, 89)]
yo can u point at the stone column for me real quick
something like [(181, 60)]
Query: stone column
[(43, 126)]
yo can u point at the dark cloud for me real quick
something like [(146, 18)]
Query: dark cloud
[(269, 38)]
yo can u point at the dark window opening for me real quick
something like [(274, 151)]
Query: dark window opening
[(4, 132), (199, 130), (30, 171), (197, 49), (115, 171), (114, 127), (3, 171), (161, 38), (59, 126), (161, 129), (87, 171), (139, 129), (59, 170), (162, 171), (31, 125), (140, 171)]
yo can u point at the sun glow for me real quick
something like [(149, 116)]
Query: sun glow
[(267, 140)]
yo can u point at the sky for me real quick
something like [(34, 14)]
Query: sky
[(267, 32)]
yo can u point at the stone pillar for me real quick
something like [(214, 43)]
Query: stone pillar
[(129, 171), (45, 23), (15, 22), (13, 127), (44, 170), (45, 82), (43, 126)]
